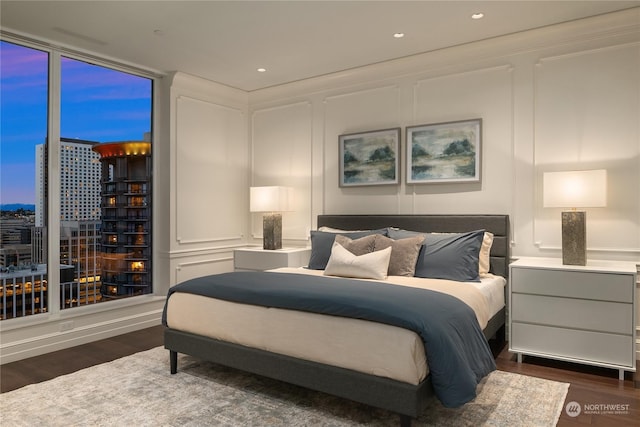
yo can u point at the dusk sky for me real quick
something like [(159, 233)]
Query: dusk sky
[(97, 104)]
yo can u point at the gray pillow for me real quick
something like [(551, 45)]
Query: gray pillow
[(404, 253), (447, 256), (361, 246), (321, 242)]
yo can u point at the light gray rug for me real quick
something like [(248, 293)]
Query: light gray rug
[(139, 391)]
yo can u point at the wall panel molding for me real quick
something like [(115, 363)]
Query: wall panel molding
[(480, 92), (203, 157), (189, 269), (584, 120), (281, 154), (359, 92), (359, 110)]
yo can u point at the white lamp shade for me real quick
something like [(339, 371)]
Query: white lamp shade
[(270, 199), (575, 189)]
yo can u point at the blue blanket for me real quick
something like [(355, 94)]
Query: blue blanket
[(457, 351)]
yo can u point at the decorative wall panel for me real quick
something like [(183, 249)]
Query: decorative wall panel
[(210, 179), (587, 114), (281, 139), (351, 112), (185, 270), (486, 94)]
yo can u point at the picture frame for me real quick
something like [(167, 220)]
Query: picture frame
[(370, 158), (448, 152)]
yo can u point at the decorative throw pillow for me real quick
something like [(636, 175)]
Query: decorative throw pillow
[(484, 258), (343, 263), (360, 246), (452, 256), (322, 241), (404, 253), (485, 253)]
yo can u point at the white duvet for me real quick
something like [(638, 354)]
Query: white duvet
[(360, 345)]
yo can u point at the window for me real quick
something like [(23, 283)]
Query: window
[(24, 91), (100, 107)]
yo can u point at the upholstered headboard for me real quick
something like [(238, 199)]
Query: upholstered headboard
[(496, 224)]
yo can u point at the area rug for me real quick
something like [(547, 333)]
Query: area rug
[(138, 390)]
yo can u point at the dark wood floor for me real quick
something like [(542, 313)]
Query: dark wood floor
[(589, 386)]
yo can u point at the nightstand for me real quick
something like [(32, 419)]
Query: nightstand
[(258, 259), (583, 314)]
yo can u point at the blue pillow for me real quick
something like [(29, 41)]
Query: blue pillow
[(452, 256), (322, 241)]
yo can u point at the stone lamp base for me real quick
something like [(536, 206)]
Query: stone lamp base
[(272, 231), (574, 238)]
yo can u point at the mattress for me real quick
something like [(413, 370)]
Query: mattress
[(364, 346)]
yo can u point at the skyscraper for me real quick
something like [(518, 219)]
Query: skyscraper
[(80, 171), (126, 218), (79, 181)]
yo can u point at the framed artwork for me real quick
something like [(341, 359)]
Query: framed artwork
[(444, 152), (370, 158)]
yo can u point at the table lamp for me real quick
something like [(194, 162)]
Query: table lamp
[(575, 189), (271, 201)]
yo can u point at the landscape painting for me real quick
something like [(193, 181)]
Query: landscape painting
[(369, 158), (444, 152)]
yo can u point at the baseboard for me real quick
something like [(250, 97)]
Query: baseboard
[(47, 337)]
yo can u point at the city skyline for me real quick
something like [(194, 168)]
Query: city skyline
[(97, 104)]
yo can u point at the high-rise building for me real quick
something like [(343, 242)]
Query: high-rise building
[(15, 255), (39, 250), (15, 231), (126, 218), (15, 242), (80, 250), (79, 181), (80, 171)]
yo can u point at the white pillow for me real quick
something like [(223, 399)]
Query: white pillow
[(485, 251), (343, 263)]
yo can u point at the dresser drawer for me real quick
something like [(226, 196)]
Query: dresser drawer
[(573, 284), (602, 316), (573, 344)]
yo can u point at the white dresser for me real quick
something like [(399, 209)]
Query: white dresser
[(584, 314), (258, 259)]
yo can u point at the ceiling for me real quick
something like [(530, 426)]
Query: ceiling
[(227, 41)]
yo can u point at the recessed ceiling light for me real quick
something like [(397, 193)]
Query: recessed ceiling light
[(478, 15), (261, 70), (398, 35)]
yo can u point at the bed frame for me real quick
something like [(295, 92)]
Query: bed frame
[(405, 399)]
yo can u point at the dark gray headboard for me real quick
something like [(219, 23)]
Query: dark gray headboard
[(496, 224)]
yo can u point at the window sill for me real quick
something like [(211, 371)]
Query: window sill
[(76, 312)]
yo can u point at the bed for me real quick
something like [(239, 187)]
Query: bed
[(405, 395)]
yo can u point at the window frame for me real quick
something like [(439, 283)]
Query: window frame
[(54, 187)]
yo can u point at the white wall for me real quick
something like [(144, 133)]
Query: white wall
[(586, 116), (558, 98), (562, 97), (206, 213), (276, 130)]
